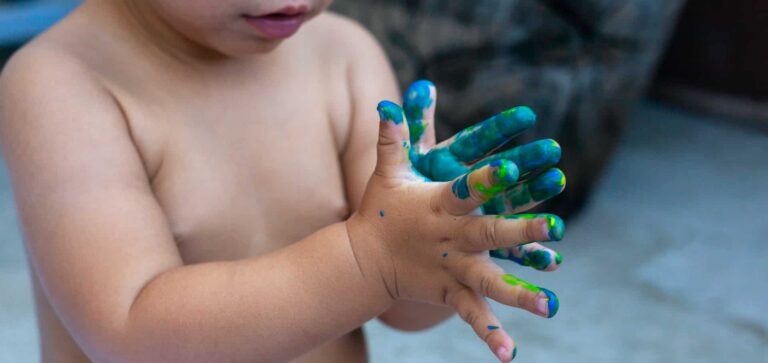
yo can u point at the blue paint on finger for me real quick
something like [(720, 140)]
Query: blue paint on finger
[(390, 111), (460, 187), (492, 327)]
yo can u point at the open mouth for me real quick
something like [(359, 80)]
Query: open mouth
[(279, 24)]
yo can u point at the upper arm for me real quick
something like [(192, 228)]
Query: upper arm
[(370, 80), (94, 231)]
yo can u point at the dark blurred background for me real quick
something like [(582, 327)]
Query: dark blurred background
[(662, 111)]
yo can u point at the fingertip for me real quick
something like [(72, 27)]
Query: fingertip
[(554, 148), (555, 227), (524, 115), (420, 93), (547, 185), (553, 303), (390, 111), (501, 345), (505, 172)]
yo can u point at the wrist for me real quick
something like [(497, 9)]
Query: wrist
[(368, 250)]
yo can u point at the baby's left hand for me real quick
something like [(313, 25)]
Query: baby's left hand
[(472, 147)]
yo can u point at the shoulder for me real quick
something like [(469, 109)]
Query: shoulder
[(41, 72), (342, 39)]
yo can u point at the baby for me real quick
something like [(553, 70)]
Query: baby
[(205, 181)]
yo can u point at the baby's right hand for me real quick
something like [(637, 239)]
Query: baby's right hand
[(418, 240)]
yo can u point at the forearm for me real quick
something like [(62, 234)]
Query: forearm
[(271, 308), (413, 316)]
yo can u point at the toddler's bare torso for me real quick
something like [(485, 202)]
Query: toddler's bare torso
[(243, 158)]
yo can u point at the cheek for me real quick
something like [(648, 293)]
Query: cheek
[(195, 17)]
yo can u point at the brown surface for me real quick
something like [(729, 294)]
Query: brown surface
[(720, 46)]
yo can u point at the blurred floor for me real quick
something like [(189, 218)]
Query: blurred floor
[(667, 264)]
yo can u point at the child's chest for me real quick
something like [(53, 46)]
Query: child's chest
[(244, 173)]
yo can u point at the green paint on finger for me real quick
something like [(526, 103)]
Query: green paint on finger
[(418, 98), (516, 281), (555, 225), (553, 303), (504, 175)]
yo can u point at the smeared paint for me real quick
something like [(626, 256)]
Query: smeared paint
[(492, 327), (504, 174), (553, 304), (390, 111), (460, 187), (555, 225), (526, 195), (381, 213), (529, 157), (540, 259), (418, 98), (438, 164), (475, 142), (445, 254), (514, 353), (547, 185)]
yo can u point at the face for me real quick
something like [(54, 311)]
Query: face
[(236, 27)]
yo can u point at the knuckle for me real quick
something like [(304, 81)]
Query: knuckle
[(491, 233), (471, 317), (486, 285), (529, 232)]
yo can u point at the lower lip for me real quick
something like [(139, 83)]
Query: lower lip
[(278, 27)]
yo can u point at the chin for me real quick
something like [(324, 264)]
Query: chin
[(243, 48)]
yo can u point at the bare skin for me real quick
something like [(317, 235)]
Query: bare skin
[(180, 205)]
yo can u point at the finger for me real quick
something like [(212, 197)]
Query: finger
[(475, 142), (532, 254), (471, 190), (476, 312), (489, 280), (393, 144), (529, 157), (486, 233), (527, 194), (419, 105)]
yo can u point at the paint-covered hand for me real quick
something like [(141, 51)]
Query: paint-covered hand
[(473, 148), (420, 240)]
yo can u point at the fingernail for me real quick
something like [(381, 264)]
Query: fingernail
[(542, 305), (547, 303), (390, 111), (501, 353)]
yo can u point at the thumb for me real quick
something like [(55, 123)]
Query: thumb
[(393, 146)]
